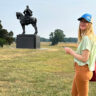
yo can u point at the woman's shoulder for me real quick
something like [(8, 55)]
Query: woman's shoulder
[(91, 38)]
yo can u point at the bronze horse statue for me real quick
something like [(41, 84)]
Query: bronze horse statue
[(26, 21)]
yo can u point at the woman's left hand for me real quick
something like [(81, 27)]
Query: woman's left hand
[(69, 50)]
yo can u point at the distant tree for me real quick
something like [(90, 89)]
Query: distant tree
[(5, 36), (10, 34), (0, 25), (10, 38), (3, 33), (56, 36), (2, 42)]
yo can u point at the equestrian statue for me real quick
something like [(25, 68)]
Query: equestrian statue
[(27, 19)]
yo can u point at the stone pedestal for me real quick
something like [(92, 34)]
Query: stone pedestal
[(28, 41)]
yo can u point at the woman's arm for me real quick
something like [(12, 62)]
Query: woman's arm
[(83, 57)]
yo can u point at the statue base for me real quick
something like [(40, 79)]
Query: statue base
[(28, 41)]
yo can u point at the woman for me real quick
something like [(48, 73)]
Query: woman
[(84, 57)]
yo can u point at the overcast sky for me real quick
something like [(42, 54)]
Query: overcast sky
[(51, 15)]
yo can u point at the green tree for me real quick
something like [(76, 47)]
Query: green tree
[(5, 36), (0, 25), (2, 42), (56, 36), (10, 38)]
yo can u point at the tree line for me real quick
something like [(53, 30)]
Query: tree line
[(66, 39)]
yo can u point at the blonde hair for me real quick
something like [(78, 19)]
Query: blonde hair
[(89, 32)]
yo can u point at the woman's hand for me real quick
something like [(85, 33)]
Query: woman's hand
[(69, 50)]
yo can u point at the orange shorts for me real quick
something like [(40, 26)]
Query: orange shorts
[(80, 86)]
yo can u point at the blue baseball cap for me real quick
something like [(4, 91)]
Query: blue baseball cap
[(87, 17)]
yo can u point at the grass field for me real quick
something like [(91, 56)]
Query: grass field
[(42, 72)]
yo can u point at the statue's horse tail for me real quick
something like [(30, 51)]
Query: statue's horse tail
[(34, 20)]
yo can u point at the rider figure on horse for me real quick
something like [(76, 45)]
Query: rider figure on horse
[(27, 12)]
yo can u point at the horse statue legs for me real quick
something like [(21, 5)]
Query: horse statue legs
[(34, 24), (23, 27), (35, 27)]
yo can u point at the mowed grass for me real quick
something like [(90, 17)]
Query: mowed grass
[(37, 72)]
